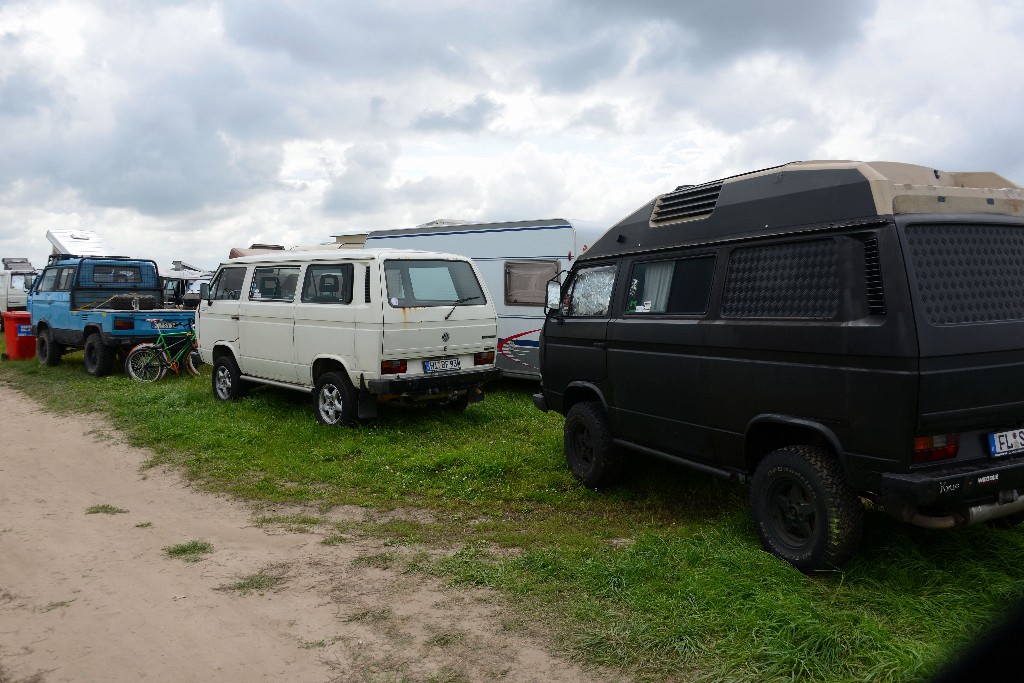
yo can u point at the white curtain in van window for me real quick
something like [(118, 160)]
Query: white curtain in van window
[(657, 283)]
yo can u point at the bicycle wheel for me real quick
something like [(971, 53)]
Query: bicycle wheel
[(193, 363), (144, 363)]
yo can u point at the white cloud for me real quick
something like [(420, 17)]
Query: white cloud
[(197, 125)]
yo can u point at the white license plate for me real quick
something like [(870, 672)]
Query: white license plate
[(442, 365), (1006, 443)]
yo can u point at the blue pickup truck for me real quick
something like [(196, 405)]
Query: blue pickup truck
[(104, 305)]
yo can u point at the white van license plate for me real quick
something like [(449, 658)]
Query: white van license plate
[(442, 365), (1006, 443)]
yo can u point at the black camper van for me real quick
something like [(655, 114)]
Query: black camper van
[(825, 331)]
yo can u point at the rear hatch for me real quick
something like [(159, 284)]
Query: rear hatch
[(967, 284), (438, 316)]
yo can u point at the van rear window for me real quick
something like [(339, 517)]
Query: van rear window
[(414, 283), (968, 273)]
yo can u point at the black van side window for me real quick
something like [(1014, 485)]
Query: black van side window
[(679, 287), (795, 280), (591, 292)]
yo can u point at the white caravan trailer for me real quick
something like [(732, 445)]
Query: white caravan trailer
[(16, 276), (516, 260)]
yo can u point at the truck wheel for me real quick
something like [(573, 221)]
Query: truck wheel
[(589, 450), (48, 352), (334, 400), (804, 510), (99, 358), (227, 379)]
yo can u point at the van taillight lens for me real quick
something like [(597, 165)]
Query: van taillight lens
[(124, 324), (483, 358), (932, 448), (393, 367)]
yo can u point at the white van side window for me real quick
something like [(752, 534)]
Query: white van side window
[(591, 292), (274, 283), (328, 284), (227, 286)]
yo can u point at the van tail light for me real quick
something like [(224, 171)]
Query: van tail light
[(393, 367), (933, 448), (483, 358), (124, 324)]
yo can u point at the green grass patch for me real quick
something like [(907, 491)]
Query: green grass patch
[(661, 576), (104, 509), (192, 551), (260, 582)]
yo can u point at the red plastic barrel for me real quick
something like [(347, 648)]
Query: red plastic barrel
[(21, 343)]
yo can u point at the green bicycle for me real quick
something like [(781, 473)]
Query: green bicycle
[(150, 361)]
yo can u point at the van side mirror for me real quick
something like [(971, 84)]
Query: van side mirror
[(204, 292), (554, 294)]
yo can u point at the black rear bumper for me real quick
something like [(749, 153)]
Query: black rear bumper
[(419, 384), (957, 484)]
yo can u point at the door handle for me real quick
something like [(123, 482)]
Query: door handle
[(600, 345), (234, 317)]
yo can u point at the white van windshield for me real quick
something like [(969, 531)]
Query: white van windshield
[(415, 283)]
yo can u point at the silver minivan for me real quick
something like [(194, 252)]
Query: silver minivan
[(354, 328)]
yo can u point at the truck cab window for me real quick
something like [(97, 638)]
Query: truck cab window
[(590, 292), (228, 284)]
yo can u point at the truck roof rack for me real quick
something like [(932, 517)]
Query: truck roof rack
[(17, 263)]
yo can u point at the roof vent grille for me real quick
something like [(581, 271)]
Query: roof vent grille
[(687, 203)]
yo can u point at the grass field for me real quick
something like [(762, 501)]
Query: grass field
[(661, 576)]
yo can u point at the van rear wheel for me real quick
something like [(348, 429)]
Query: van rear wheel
[(334, 400), (804, 510), (589, 450)]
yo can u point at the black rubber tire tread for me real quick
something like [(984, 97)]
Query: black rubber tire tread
[(143, 363), (838, 512), (334, 400), (193, 361), (227, 379), (48, 352), (587, 442), (99, 358)]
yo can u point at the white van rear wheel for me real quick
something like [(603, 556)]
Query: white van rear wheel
[(334, 400)]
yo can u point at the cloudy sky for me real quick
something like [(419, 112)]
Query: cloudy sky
[(179, 129)]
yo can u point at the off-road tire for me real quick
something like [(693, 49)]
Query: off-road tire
[(334, 400), (48, 352), (804, 510), (227, 379), (143, 363), (99, 358), (589, 451)]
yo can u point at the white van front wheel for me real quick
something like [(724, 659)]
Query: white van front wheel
[(335, 400)]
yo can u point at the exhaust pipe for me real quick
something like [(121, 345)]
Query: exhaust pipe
[(1009, 502)]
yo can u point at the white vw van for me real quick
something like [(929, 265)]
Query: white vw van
[(352, 327)]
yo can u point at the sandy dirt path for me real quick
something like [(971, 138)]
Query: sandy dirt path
[(94, 597)]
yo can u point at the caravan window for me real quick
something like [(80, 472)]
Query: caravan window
[(680, 287), (274, 283), (431, 283), (526, 281)]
